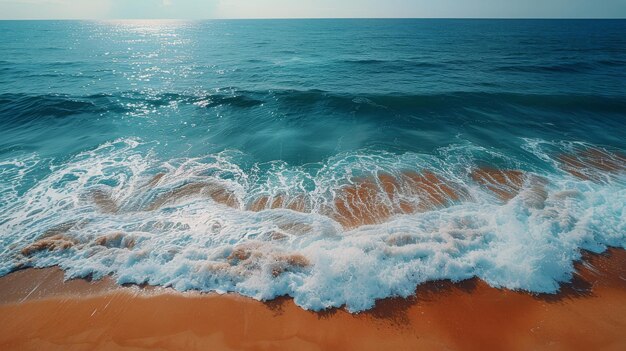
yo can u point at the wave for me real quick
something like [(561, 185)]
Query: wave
[(25, 108), (568, 67), (53, 105), (452, 100), (350, 230), (44, 105), (579, 67), (16, 106), (612, 63), (392, 63)]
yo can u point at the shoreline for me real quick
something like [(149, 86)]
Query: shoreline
[(40, 311)]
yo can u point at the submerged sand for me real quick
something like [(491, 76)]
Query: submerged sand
[(38, 311)]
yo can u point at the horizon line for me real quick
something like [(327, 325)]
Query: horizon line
[(312, 18)]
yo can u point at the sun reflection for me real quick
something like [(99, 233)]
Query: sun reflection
[(149, 24), (154, 54)]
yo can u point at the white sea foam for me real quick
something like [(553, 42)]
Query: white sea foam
[(191, 241)]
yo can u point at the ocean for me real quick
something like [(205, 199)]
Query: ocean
[(334, 161)]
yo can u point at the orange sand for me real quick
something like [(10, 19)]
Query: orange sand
[(372, 201), (40, 312), (506, 184), (593, 164)]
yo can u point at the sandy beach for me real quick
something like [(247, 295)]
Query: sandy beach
[(39, 311), (312, 175)]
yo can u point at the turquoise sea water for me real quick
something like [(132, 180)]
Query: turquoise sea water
[(240, 155)]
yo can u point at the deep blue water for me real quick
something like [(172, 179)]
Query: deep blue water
[(283, 107)]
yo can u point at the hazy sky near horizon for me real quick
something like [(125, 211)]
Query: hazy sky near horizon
[(193, 9)]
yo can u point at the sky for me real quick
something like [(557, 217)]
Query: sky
[(195, 9)]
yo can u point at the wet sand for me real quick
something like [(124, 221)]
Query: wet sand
[(38, 311)]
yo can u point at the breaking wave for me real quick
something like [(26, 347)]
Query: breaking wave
[(352, 229)]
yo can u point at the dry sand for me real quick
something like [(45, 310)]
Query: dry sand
[(38, 311)]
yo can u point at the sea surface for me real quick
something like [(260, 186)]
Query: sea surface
[(334, 161)]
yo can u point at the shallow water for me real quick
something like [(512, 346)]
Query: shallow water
[(336, 161)]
